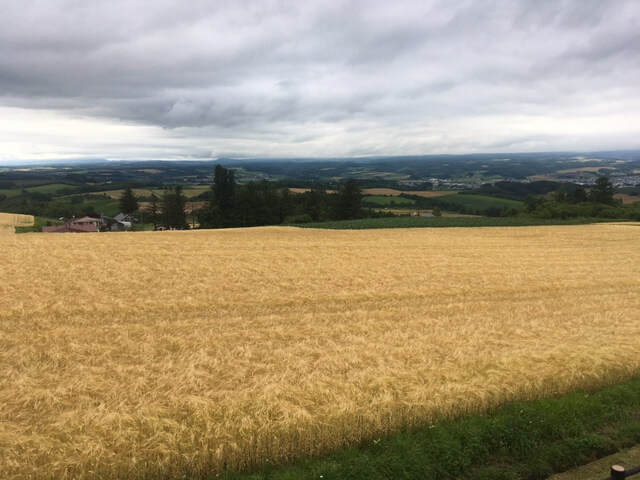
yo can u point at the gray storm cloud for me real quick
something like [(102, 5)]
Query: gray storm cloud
[(269, 68)]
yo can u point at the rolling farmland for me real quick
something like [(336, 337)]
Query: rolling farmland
[(140, 355), (189, 192)]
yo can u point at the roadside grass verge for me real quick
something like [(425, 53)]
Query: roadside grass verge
[(442, 222), (522, 441)]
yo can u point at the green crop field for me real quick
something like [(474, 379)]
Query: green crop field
[(480, 201), (441, 222), (48, 188), (388, 201)]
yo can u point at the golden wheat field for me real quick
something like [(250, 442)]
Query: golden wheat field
[(184, 354), (8, 222)]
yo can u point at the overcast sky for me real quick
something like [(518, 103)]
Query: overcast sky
[(172, 79)]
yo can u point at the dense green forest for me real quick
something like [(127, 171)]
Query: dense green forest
[(265, 203)]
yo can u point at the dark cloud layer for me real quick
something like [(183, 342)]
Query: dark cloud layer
[(266, 69)]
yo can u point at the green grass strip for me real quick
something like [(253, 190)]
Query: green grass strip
[(443, 222), (522, 441)]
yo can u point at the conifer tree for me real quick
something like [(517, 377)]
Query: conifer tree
[(128, 201)]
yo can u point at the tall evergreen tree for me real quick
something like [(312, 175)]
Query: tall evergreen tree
[(128, 201), (348, 201), (602, 191), (314, 204), (285, 204), (222, 208), (224, 186), (173, 208), (153, 210), (579, 195)]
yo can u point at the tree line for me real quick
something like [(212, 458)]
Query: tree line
[(230, 204), (167, 211), (599, 202)]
